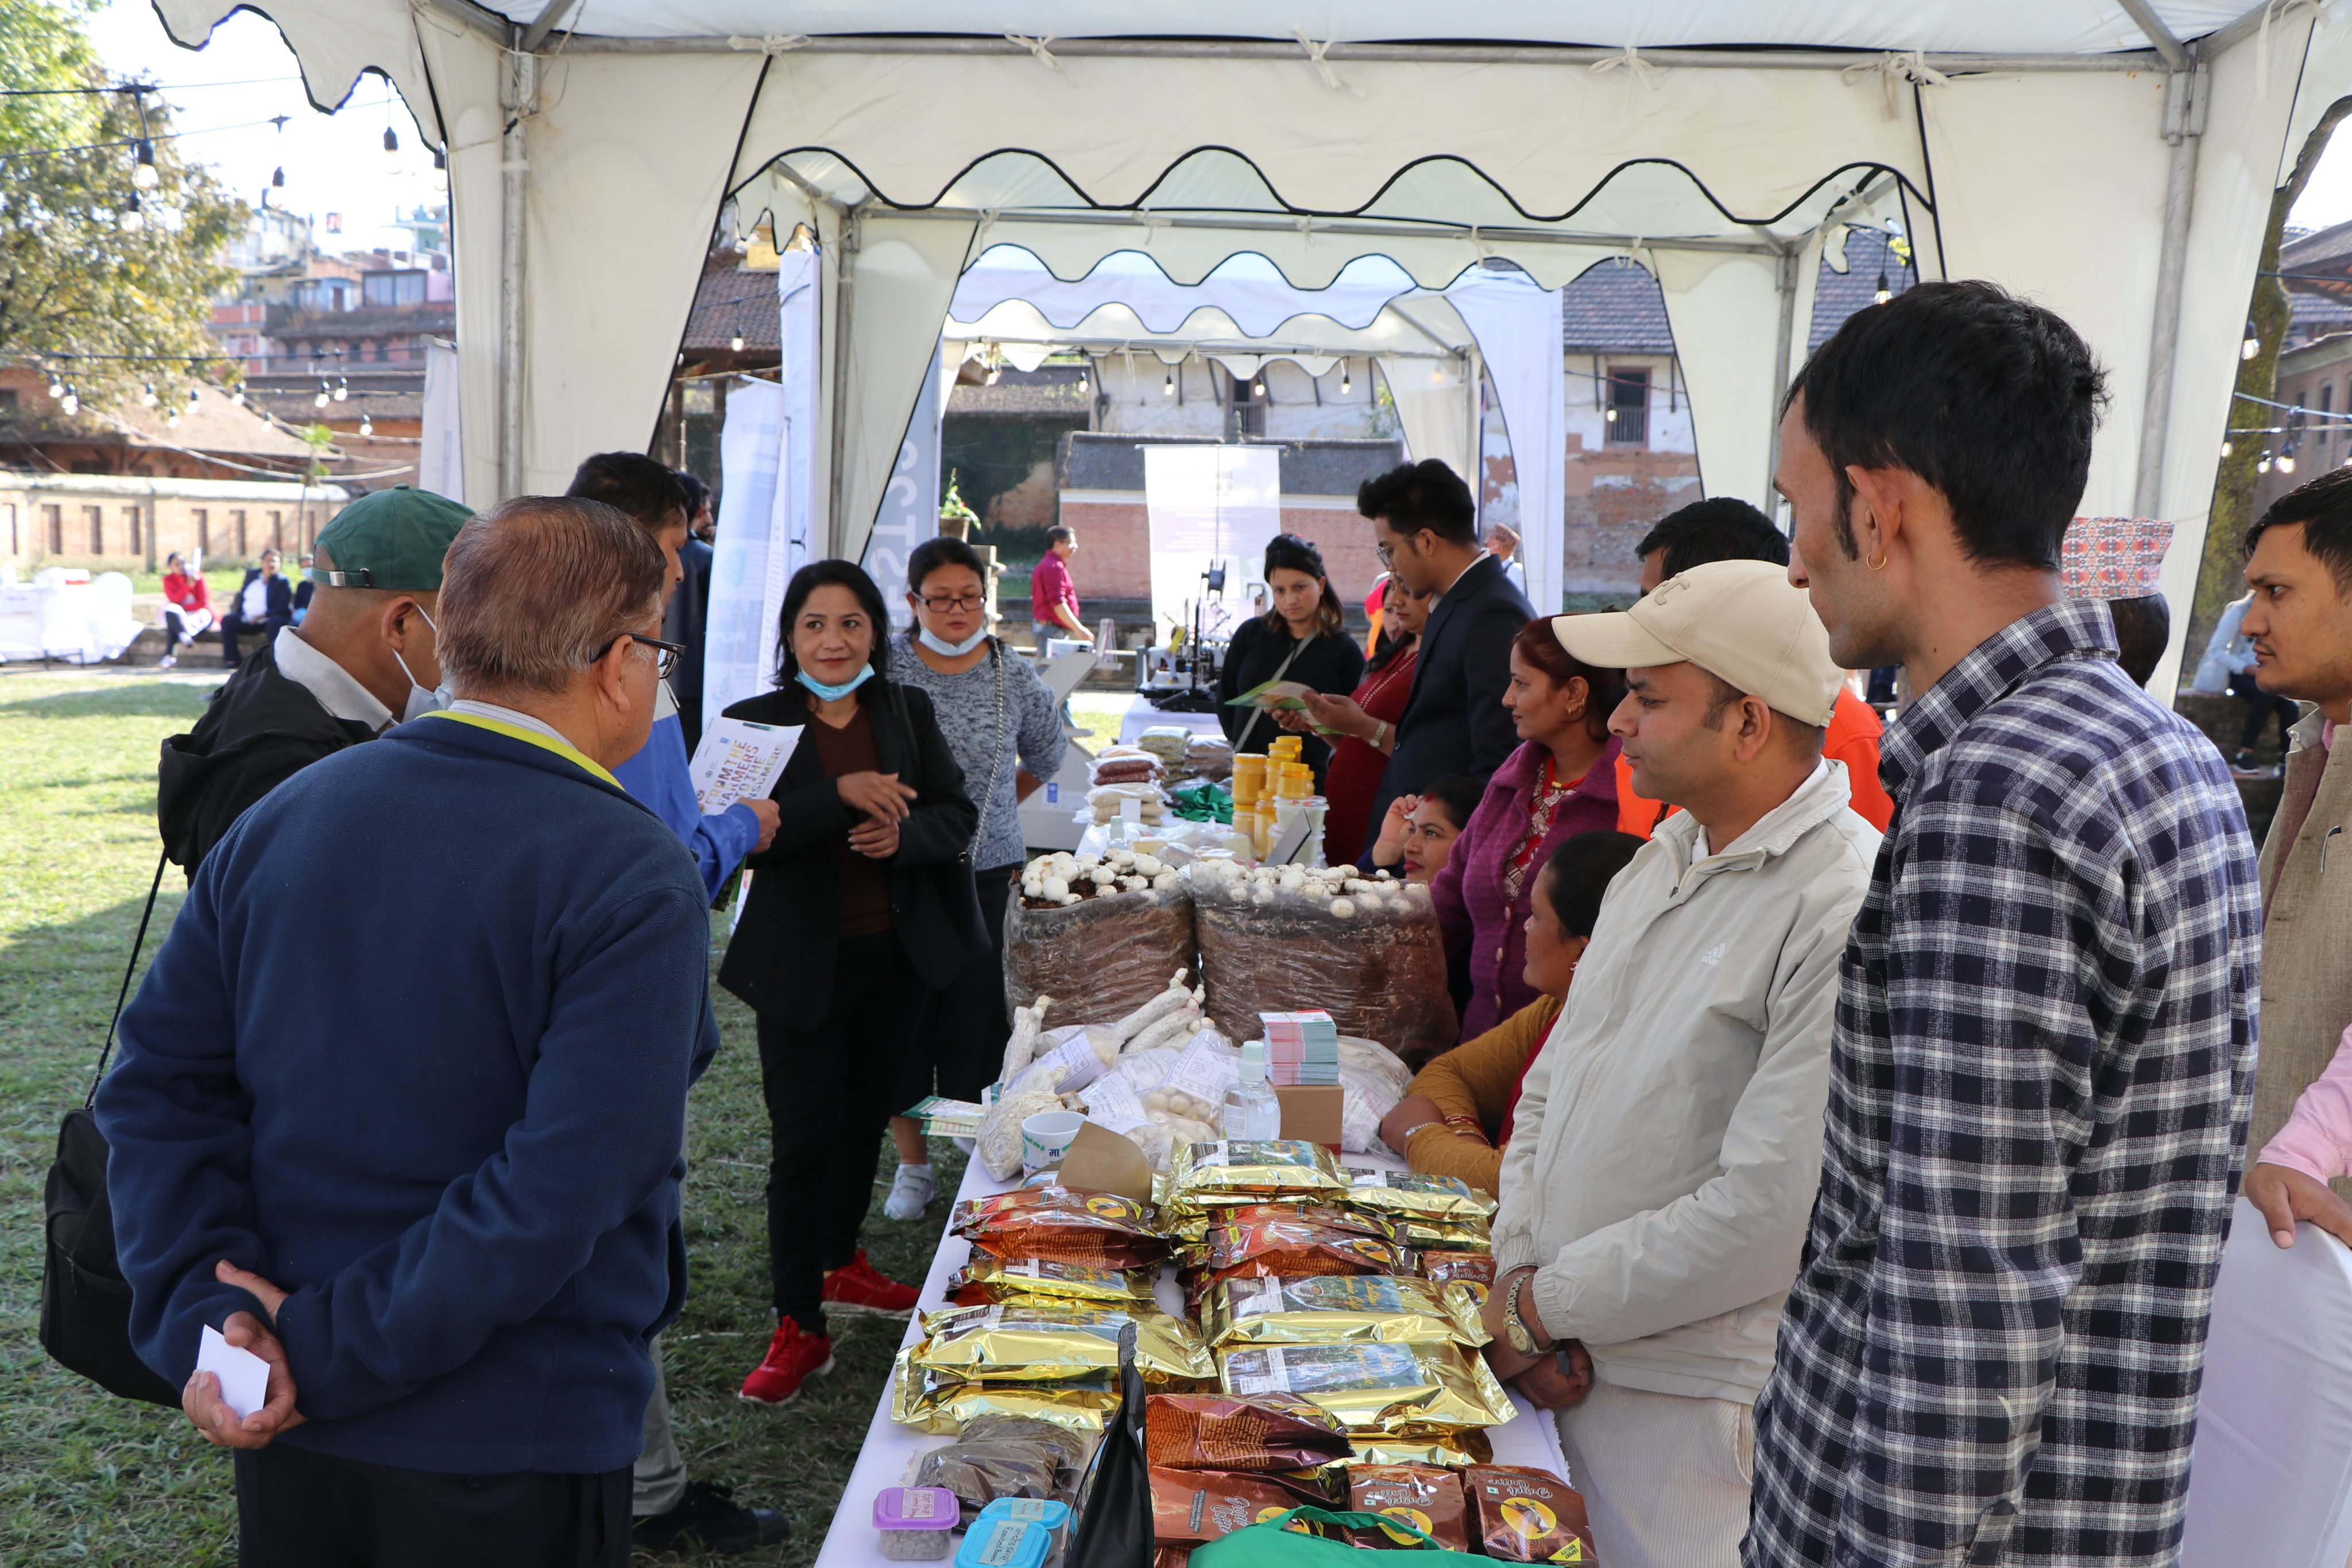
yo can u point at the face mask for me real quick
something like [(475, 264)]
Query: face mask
[(834, 694), (952, 650), (422, 701)]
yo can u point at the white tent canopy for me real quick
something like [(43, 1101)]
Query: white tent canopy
[(2113, 159)]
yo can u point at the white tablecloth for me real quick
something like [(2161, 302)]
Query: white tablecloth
[(887, 1459), (1140, 715)]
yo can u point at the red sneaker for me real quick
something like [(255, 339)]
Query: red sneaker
[(856, 1287), (794, 1357)]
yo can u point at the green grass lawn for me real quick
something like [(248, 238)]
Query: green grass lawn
[(88, 1477)]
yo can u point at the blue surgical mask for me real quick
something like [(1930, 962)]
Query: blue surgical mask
[(952, 650), (834, 694), (420, 700)]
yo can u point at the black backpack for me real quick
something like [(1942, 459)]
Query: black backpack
[(85, 1300)]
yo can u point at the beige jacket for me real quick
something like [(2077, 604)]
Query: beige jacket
[(1669, 1137), (2306, 930)]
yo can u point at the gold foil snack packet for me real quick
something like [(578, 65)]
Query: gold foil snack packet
[(1216, 1175), (987, 1279), (930, 1403), (1411, 1193), (1398, 1390), (1041, 1342), (1094, 1229), (1338, 1310)]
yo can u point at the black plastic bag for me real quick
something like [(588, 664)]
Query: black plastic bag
[(1115, 1524)]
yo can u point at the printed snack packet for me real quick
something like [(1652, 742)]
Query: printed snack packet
[(1092, 1230), (987, 1279), (1451, 1450), (1189, 1507), (1203, 1173), (1395, 1390), (1190, 1226), (1336, 1310), (1424, 1495), (1218, 1432), (1445, 1235), (1294, 1247), (1527, 1515), (997, 1457), (1443, 1268), (930, 1402), (1038, 1341), (1411, 1193)]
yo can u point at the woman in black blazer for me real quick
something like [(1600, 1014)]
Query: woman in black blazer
[(863, 899)]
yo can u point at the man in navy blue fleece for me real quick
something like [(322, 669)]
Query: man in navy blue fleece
[(400, 1100), (658, 774)]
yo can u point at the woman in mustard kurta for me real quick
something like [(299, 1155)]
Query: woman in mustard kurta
[(1457, 1117)]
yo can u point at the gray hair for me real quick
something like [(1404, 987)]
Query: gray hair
[(533, 590)]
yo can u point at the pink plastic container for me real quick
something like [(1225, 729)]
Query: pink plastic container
[(917, 1523)]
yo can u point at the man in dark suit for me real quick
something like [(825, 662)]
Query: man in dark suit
[(690, 607), (1426, 526), (264, 603)]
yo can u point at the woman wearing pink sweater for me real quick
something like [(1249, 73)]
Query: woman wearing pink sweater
[(2289, 1181)]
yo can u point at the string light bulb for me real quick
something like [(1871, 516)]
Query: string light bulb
[(1343, 377), (2286, 461), (2263, 464), (142, 166), (72, 401), (193, 397), (2254, 343), (367, 426), (277, 178), (1168, 387), (147, 394), (2228, 447), (173, 419), (343, 388), (390, 139), (326, 395), (1881, 293), (735, 343), (1257, 387), (236, 397), (131, 219), (56, 388)]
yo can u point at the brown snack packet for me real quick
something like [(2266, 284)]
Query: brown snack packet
[(1292, 1248), (1528, 1516), (1171, 1556), (1189, 1507), (1094, 1229), (1443, 1268), (1423, 1495), (1219, 1432)]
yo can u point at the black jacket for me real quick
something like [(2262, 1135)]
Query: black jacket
[(1330, 663), (260, 730), (684, 622), (1455, 721), (780, 961), (277, 599)]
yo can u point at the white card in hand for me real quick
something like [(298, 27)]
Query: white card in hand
[(244, 1377)]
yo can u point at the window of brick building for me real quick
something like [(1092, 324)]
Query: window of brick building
[(202, 518), (94, 519), (130, 525), (236, 524), (1627, 416), (278, 532), (55, 516)]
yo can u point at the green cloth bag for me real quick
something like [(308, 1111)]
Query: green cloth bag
[(1274, 1543)]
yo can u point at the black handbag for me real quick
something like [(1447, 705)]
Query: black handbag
[(85, 1300), (1115, 1519)]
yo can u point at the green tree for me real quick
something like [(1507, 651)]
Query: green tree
[(90, 264)]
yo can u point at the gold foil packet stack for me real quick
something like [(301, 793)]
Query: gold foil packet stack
[(1339, 1309), (1186, 1225), (1445, 1235), (1411, 1195), (987, 1279), (932, 1403), (1227, 1172), (1037, 1341), (1469, 1447), (1387, 1390)]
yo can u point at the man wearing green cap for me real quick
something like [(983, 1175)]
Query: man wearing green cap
[(364, 659)]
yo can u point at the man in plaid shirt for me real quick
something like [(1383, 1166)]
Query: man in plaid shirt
[(2044, 1048)]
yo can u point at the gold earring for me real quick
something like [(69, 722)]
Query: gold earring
[(1878, 565)]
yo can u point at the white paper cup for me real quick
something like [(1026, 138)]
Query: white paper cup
[(1046, 1136)]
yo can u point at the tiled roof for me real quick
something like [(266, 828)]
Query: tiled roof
[(1048, 389), (1615, 307), (1869, 256), (2313, 252), (2311, 316), (728, 304)]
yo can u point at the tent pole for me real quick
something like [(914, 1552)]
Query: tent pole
[(844, 261), (1785, 281), (521, 81), (1474, 370), (2184, 126)]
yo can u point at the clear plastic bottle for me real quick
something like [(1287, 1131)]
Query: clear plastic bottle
[(1252, 1112)]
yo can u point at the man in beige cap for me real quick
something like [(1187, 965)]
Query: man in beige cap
[(1655, 1191)]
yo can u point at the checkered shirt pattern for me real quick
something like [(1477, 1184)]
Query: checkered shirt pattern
[(2041, 1074)]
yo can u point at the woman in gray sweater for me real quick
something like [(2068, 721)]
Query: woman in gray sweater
[(1000, 720)]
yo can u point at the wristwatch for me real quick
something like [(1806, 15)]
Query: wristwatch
[(1515, 1328)]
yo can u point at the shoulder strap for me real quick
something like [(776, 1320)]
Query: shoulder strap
[(128, 970), (1279, 671)]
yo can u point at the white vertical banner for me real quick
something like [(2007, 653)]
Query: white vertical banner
[(801, 374), (748, 557), (441, 457), (909, 513), (1518, 326), (1209, 506)]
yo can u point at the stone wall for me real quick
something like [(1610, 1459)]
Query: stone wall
[(123, 523)]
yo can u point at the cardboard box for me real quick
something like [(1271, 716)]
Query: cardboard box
[(1312, 1112)]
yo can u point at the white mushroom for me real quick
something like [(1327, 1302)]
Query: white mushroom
[(1054, 887), (1165, 881), (1068, 899), (1342, 908)]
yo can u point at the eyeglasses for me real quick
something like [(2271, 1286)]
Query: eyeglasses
[(1386, 555), (942, 606), (666, 655)]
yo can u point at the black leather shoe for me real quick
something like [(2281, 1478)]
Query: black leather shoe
[(709, 1514)]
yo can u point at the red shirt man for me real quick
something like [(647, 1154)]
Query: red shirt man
[(1053, 598)]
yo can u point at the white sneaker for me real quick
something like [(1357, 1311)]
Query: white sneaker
[(167, 661), (911, 1193)]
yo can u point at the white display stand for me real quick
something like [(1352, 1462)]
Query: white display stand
[(889, 1457)]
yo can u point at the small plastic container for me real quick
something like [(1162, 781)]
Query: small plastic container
[(1053, 1518), (1004, 1543), (918, 1523)]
